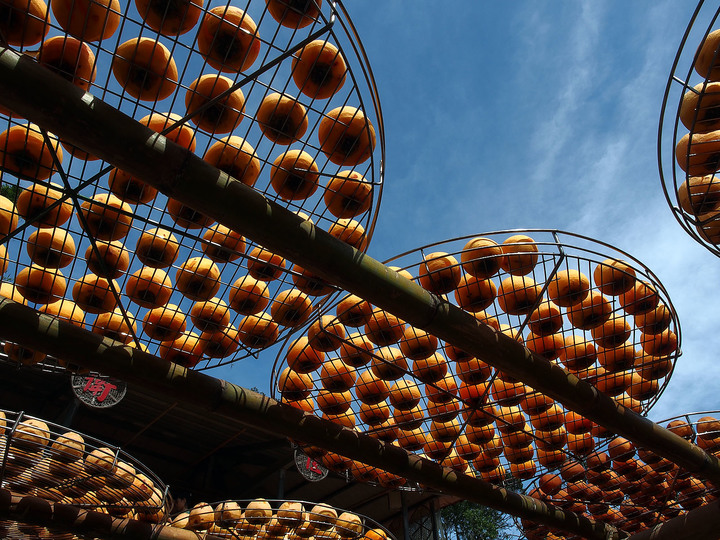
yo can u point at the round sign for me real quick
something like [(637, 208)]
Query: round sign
[(311, 470), (98, 391)]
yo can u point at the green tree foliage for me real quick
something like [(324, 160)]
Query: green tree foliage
[(9, 191), (469, 521)]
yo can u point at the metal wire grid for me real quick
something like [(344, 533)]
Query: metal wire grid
[(278, 517), (459, 411), (689, 114), (643, 489), (49, 461), (74, 182)]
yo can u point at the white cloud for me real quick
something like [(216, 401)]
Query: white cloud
[(553, 135)]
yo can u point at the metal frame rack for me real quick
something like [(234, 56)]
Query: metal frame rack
[(687, 171)]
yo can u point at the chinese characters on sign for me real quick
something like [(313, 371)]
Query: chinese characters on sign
[(312, 470), (98, 391), (98, 388)]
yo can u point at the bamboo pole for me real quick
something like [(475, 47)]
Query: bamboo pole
[(78, 117), (175, 383), (701, 522)]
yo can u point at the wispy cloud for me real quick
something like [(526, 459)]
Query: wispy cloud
[(572, 66)]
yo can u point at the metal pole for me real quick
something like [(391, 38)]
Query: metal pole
[(55, 104), (405, 516), (62, 339), (434, 519), (68, 518), (281, 483), (702, 522)]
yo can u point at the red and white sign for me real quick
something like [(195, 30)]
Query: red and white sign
[(98, 391), (311, 470)]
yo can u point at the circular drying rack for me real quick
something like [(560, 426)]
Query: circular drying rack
[(688, 136), (48, 461), (97, 220), (645, 489), (257, 518), (450, 406)]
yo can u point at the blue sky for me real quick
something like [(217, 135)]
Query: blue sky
[(539, 114)]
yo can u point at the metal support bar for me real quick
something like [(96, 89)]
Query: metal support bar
[(172, 382), (702, 522), (281, 483), (434, 519), (67, 518), (405, 516)]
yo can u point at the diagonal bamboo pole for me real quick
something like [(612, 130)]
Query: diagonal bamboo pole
[(701, 522), (82, 119), (67, 341)]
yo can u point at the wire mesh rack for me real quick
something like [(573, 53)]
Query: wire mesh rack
[(48, 461), (277, 94), (266, 518), (688, 135), (628, 487), (595, 310)]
